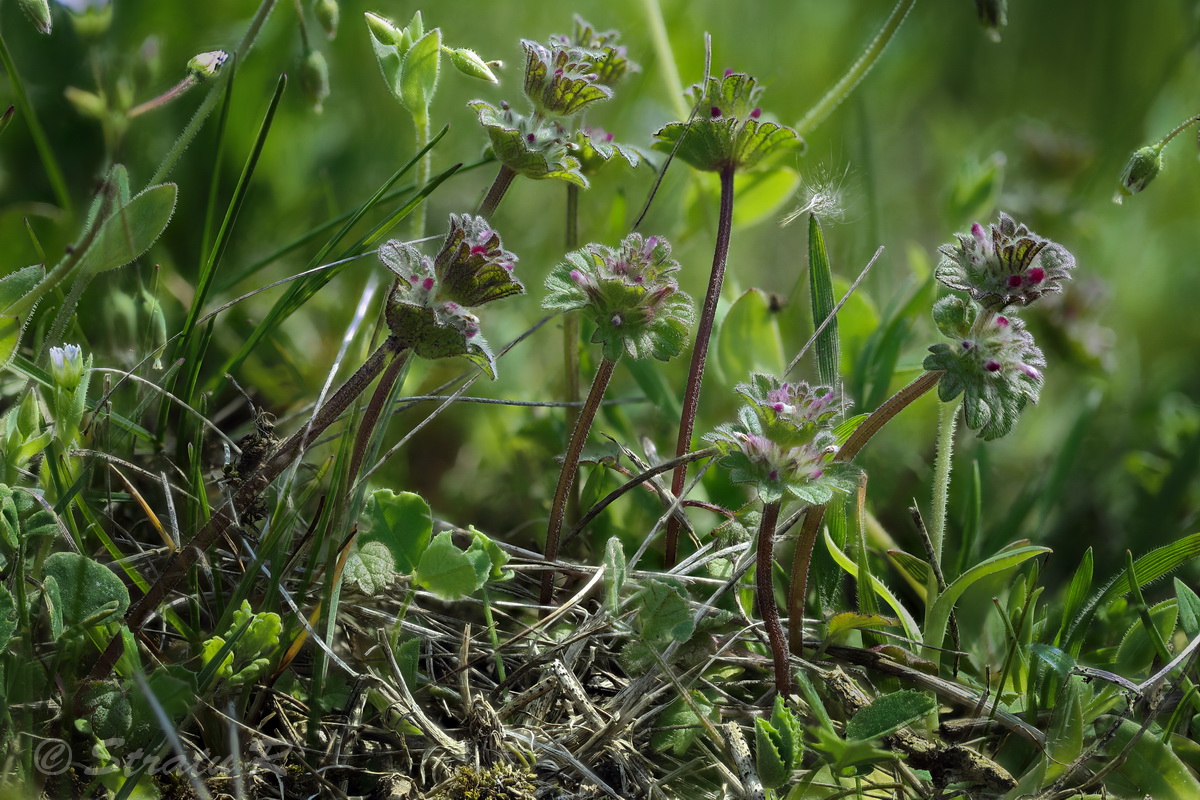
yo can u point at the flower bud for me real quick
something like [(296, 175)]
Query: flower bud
[(469, 63), (38, 12), (314, 78), (327, 13), (66, 366), (383, 30), (206, 65), (1143, 167)]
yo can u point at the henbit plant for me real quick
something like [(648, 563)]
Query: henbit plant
[(562, 80), (630, 295), (725, 135), (994, 366), (783, 445)]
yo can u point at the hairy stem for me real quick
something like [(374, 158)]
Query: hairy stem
[(691, 397), (763, 573), (558, 510), (814, 515), (947, 419), (504, 179), (247, 492), (374, 410), (842, 89), (573, 387)]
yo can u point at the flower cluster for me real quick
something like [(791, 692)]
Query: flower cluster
[(629, 293), (994, 364), (427, 309), (784, 441), (562, 79), (728, 129), (1004, 265)]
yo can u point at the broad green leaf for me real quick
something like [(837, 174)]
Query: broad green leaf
[(370, 568), (761, 194), (107, 712), (402, 523), (1189, 609), (449, 572), (614, 574), (748, 340), (911, 628), (939, 615), (8, 616), (419, 73), (664, 613), (52, 598), (1137, 651), (820, 280), (91, 594), (1152, 766), (888, 714), (1064, 740), (130, 231), (683, 722)]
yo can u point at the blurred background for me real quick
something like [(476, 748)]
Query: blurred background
[(948, 129)]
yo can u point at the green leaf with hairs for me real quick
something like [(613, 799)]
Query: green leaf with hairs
[(130, 231), (888, 714), (448, 571), (664, 613), (820, 276), (91, 594), (419, 73)]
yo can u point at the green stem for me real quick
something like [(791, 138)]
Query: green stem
[(1180, 128), (765, 591), (842, 89), (424, 168), (501, 677), (210, 101), (814, 515), (587, 415), (54, 172), (504, 179), (947, 420), (708, 314)]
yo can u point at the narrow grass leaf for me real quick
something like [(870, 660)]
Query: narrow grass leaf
[(911, 628), (1081, 584), (820, 277)]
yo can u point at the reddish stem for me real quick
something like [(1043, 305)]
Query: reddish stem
[(763, 573), (814, 515), (504, 179), (691, 397), (566, 478)]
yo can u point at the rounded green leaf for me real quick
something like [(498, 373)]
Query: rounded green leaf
[(402, 523), (449, 572), (90, 593), (749, 339)]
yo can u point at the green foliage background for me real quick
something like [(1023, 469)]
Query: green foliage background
[(1073, 88)]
